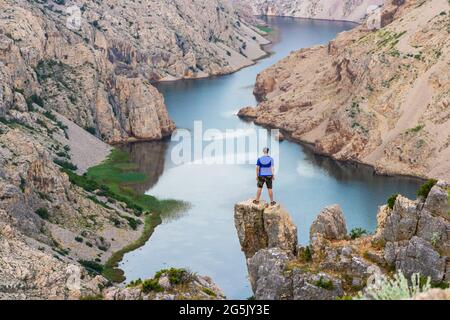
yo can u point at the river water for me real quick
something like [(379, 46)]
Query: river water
[(203, 238)]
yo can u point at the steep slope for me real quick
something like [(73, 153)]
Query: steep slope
[(349, 10), (62, 89), (379, 97), (98, 72)]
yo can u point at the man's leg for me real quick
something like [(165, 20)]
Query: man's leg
[(269, 189), (258, 194)]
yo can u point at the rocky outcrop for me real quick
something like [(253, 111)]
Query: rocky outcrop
[(261, 226), (376, 96), (95, 62), (315, 9), (172, 284), (330, 223), (416, 239), (412, 237)]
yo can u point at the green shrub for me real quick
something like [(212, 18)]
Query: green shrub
[(67, 165), (91, 130), (34, 98), (425, 189), (305, 254), (176, 276), (209, 292), (79, 239), (324, 284), (391, 201), (358, 233), (89, 244), (151, 285), (50, 115), (92, 266), (43, 213)]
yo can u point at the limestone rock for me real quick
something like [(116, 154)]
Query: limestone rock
[(330, 223), (401, 222), (314, 9), (266, 273), (259, 228), (418, 256), (437, 201), (319, 286)]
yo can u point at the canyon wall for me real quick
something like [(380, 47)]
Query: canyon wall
[(349, 10), (379, 97), (67, 86), (98, 70)]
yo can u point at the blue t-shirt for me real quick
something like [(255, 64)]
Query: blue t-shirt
[(265, 163)]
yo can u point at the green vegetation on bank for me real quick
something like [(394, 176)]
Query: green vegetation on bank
[(264, 29), (114, 179)]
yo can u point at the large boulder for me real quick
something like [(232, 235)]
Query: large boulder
[(400, 223), (437, 202), (260, 227), (330, 223), (417, 256), (267, 276)]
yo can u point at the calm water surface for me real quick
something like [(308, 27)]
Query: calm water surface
[(204, 238)]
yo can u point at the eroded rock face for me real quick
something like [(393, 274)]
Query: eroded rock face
[(415, 235), (330, 223), (28, 273), (357, 98), (99, 74), (259, 228), (315, 9), (266, 271)]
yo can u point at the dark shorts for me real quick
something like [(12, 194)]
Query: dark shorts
[(267, 180)]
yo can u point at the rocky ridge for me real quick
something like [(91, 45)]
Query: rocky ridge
[(379, 97), (62, 91), (98, 71), (349, 10), (412, 236)]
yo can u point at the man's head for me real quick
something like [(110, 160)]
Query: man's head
[(266, 150)]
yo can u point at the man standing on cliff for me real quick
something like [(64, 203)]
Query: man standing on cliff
[(265, 174)]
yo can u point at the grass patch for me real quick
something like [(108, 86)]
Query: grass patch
[(264, 29), (356, 233)]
